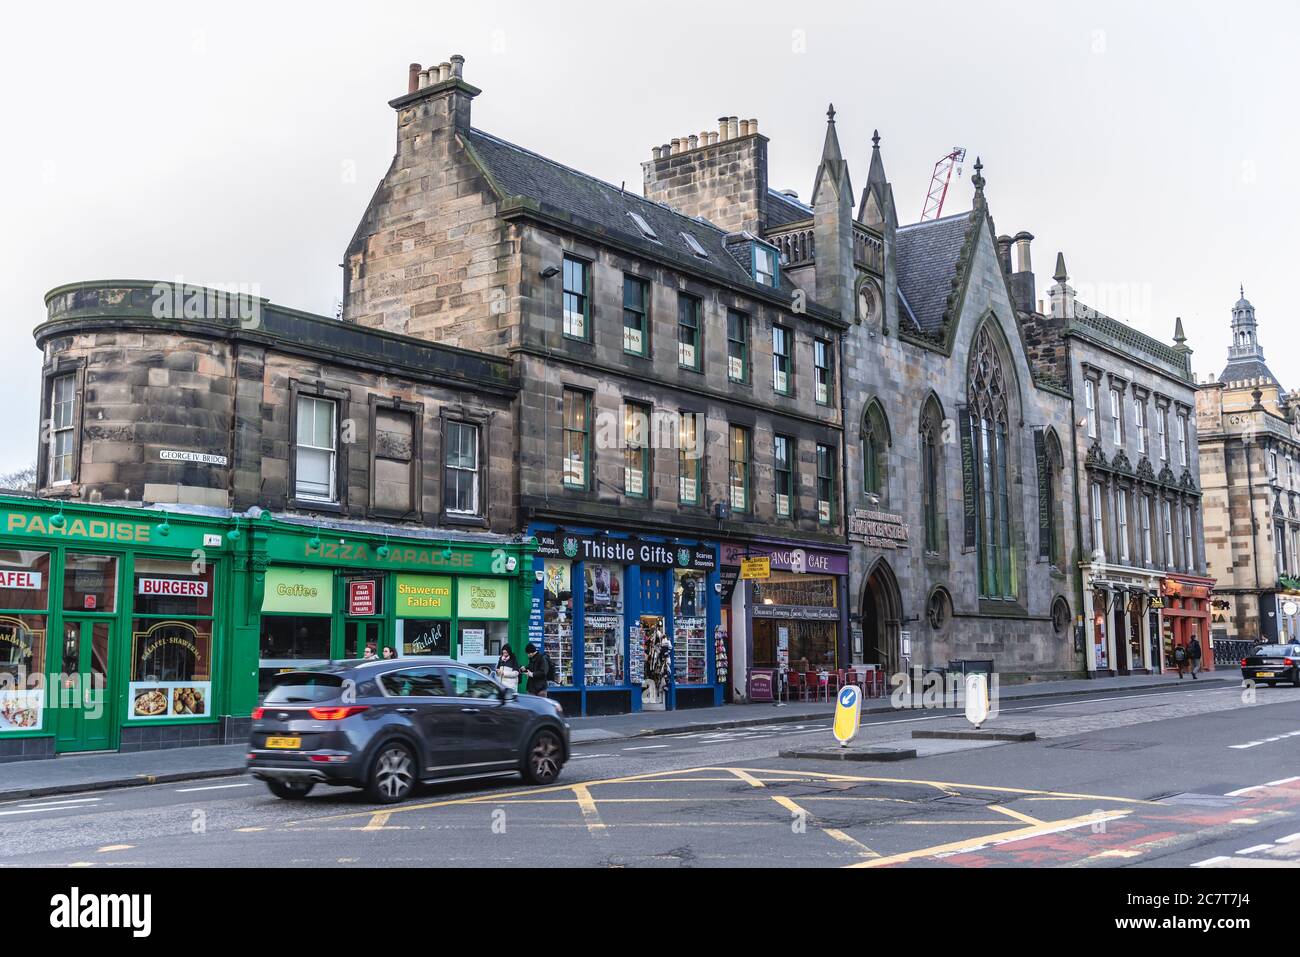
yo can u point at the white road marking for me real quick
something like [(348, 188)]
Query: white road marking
[(1278, 784), (1240, 791), (579, 757), (1289, 839), (213, 787), (68, 803), (1255, 744), (646, 747), (1209, 862), (1256, 848)]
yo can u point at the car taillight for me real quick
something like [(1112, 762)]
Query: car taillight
[(257, 713), (1243, 662), (336, 714), (1288, 662)]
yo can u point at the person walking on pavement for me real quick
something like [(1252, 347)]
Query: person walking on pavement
[(538, 669), (1180, 659), (1194, 655), (508, 669)]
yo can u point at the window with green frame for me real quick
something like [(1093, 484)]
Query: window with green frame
[(690, 456), (826, 504), (577, 438), (25, 598), (782, 360), (766, 265), (783, 450), (737, 346), (636, 450), (738, 468), (689, 347), (577, 301), (636, 328), (822, 363), (171, 631)]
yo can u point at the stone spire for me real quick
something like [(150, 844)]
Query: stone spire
[(832, 203), (1180, 342), (833, 170), (876, 207), (1061, 295), (978, 180)]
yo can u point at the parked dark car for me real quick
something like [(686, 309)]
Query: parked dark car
[(1273, 663), (389, 725)]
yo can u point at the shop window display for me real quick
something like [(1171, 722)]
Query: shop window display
[(603, 624), (690, 629), (22, 672), (557, 628), (24, 580)]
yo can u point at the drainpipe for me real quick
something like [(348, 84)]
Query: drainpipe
[(1076, 572)]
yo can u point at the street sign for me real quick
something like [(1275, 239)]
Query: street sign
[(848, 714), (756, 569), (977, 699)]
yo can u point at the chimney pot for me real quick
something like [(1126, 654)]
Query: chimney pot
[(695, 141), (654, 152), (457, 65), (1023, 239), (424, 79), (444, 71), (744, 127), (753, 127), (733, 127), (677, 146), (413, 78), (722, 128)]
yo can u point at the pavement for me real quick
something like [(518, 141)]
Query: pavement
[(77, 773)]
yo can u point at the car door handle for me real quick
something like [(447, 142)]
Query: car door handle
[(469, 710), (406, 710)]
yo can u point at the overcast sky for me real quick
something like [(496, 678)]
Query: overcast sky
[(1155, 144)]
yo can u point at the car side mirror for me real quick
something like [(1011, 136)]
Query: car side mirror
[(505, 694)]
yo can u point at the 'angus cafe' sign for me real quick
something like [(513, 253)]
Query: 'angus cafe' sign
[(624, 551)]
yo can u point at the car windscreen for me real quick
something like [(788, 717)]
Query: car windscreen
[(1270, 650), (303, 688)]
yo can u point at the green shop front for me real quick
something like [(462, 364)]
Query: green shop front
[(111, 637), (330, 593)]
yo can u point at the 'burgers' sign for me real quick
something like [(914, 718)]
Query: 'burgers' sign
[(172, 587)]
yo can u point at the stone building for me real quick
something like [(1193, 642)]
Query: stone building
[(847, 377), (679, 407), (227, 489), (1249, 444), (1142, 577)]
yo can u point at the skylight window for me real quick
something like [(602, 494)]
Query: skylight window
[(642, 225), (695, 246)]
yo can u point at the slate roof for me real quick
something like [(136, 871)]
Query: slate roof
[(782, 210), (927, 257), (1239, 370), (521, 172)]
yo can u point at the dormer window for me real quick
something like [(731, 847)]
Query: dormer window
[(695, 246), (642, 225), (765, 265)]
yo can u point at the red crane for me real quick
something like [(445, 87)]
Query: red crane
[(939, 183)]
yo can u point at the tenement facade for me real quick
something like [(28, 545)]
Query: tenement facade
[(1249, 442)]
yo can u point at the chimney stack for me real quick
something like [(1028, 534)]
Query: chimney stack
[(1022, 280), (1004, 253), (413, 78), (721, 177)]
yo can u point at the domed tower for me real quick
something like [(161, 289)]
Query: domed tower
[(1245, 355)]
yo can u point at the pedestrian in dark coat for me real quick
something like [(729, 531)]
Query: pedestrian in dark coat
[(1194, 655), (538, 670)]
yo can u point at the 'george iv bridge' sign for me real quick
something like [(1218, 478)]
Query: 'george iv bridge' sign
[(878, 529)]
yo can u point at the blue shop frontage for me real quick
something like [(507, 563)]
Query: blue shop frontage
[(631, 622)]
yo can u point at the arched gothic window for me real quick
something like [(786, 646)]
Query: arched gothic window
[(932, 502), (989, 418), (875, 445)]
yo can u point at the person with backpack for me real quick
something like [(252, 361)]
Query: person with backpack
[(539, 669), (1180, 659), (1194, 655)]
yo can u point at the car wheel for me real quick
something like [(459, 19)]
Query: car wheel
[(392, 774), (291, 790), (544, 758)]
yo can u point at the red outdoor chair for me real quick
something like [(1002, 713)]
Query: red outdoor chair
[(795, 682)]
